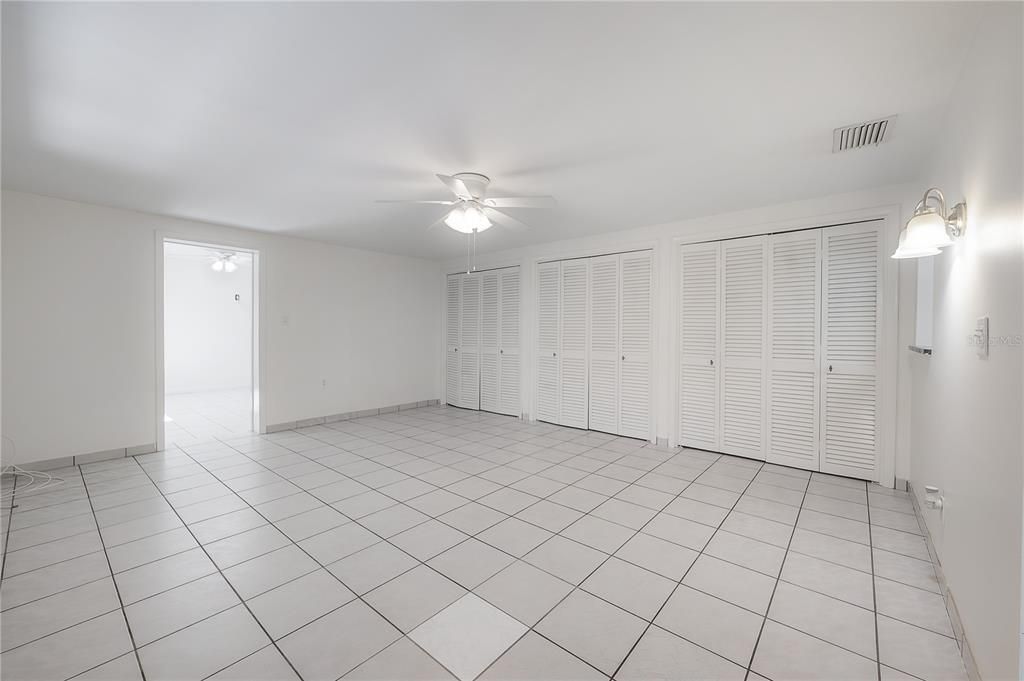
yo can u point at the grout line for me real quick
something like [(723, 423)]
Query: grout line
[(117, 590), (7, 532), (874, 593), (775, 588)]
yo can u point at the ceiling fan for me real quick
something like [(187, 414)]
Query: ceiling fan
[(473, 211)]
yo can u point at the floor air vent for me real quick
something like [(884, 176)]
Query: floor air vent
[(860, 135)]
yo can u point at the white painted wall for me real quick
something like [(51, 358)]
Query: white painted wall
[(207, 333), (79, 368), (966, 421), (665, 240)]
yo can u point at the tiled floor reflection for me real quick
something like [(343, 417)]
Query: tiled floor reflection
[(439, 543)]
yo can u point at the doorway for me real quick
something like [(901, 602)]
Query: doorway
[(209, 343)]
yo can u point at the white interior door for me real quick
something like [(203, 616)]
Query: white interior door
[(604, 343), (744, 283), (548, 340), (469, 349), (794, 292), (635, 330), (851, 338), (490, 341), (572, 380), (699, 346), (453, 309), (509, 357)]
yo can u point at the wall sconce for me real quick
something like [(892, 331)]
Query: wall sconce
[(931, 227)]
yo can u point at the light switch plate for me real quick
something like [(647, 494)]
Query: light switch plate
[(981, 337)]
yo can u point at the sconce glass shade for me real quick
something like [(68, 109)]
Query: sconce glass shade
[(467, 218), (927, 229), (908, 249)]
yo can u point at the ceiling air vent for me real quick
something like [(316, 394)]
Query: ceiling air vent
[(861, 134)]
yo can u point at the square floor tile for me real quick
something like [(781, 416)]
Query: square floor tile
[(333, 645), (70, 651), (632, 588), (785, 653), (403, 660), (514, 536), (661, 656), (266, 664), (203, 648), (306, 524), (833, 549), (523, 591), (738, 585), (566, 559), (837, 622), (470, 563), (549, 515), (830, 579), (596, 631), (177, 608), (657, 555), (293, 604), (749, 553), (721, 627), (339, 542), (414, 597), (472, 518), (45, 581), (915, 606), (45, 616), (680, 531), (265, 572), (167, 573), (393, 520), (598, 533), (467, 636), (371, 567), (428, 539), (919, 652), (534, 657), (241, 547), (907, 570)]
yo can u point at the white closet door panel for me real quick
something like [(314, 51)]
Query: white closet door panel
[(453, 315), (469, 350), (699, 346), (604, 343), (573, 335), (744, 275), (635, 345), (851, 338), (793, 321), (548, 312), (508, 353), (490, 383)]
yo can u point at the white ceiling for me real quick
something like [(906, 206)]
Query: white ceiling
[(294, 118)]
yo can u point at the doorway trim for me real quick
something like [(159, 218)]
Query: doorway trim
[(162, 238)]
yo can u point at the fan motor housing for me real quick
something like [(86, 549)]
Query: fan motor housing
[(476, 183)]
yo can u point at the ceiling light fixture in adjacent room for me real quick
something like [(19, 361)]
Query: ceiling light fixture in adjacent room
[(225, 262), (931, 228)]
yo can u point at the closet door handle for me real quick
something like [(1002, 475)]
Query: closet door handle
[(501, 352), (712, 362), (623, 358), (830, 368), (554, 354)]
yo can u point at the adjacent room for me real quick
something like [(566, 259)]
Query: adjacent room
[(512, 341)]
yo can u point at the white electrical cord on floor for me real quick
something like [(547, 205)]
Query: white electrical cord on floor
[(37, 480)]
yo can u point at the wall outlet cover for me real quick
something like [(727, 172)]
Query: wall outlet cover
[(981, 337)]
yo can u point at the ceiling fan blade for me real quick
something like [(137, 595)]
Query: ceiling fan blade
[(521, 202), (457, 186), (504, 219), (438, 203)]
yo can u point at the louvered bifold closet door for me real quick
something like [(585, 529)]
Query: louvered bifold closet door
[(490, 332), (851, 338), (635, 330), (509, 362), (604, 343), (793, 314), (469, 350), (572, 380), (744, 283), (549, 281), (699, 309), (453, 308)]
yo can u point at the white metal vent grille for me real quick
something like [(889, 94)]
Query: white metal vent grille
[(871, 133)]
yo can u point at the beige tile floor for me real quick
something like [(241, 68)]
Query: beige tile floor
[(439, 543)]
